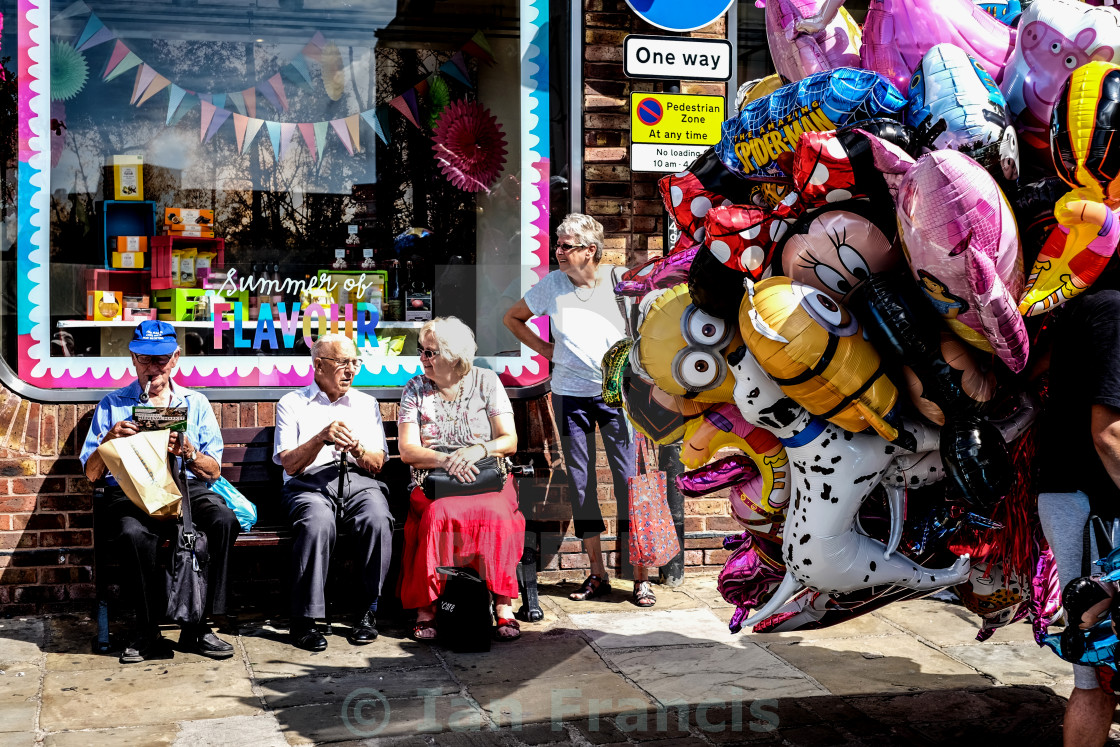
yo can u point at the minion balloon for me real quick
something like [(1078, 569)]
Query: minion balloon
[(1086, 151), (812, 347), (683, 349)]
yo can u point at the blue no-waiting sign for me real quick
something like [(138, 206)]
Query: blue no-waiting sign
[(679, 15)]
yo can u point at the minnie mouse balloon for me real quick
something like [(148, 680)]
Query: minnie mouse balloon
[(954, 103)]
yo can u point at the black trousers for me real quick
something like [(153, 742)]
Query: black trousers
[(309, 499), (135, 537)]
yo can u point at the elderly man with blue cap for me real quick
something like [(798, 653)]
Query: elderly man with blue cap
[(134, 534)]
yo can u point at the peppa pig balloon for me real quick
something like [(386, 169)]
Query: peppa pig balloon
[(897, 33), (963, 246), (1055, 37), (954, 103), (837, 45)]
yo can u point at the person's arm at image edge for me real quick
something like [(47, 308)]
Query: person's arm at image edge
[(517, 319)]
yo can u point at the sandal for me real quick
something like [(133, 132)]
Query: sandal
[(643, 594), (508, 623), (422, 626), (592, 586)]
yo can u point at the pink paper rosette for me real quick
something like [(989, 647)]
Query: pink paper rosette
[(469, 146)]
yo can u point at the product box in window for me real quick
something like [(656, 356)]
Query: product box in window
[(128, 177), (136, 302), (179, 218), (179, 304), (189, 232), (104, 306), (130, 243), (417, 307), (139, 315), (128, 260)]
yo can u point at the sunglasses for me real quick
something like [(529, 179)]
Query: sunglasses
[(159, 360), (353, 363), (568, 248), (428, 353)]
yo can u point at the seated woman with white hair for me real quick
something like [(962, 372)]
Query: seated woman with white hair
[(452, 416)]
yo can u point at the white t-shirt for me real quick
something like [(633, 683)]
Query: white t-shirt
[(584, 330), (303, 413)]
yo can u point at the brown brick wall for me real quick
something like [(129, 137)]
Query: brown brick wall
[(626, 203)]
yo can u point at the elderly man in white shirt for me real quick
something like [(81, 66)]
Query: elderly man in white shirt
[(315, 426)]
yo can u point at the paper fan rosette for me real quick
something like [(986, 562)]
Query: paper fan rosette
[(69, 71), (469, 146)]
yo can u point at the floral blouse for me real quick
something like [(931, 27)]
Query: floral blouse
[(455, 424)]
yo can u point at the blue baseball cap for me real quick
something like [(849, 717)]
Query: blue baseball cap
[(152, 337)]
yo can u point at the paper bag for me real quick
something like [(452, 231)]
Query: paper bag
[(139, 463)]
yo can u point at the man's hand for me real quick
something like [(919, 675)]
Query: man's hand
[(122, 429), (179, 445), (340, 435)]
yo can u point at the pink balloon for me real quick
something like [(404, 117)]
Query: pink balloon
[(963, 245), (806, 54)]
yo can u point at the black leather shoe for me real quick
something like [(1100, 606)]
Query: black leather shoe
[(364, 630), (146, 648), (309, 639), (212, 646)]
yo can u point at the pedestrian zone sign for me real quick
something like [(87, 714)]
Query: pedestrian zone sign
[(675, 119)]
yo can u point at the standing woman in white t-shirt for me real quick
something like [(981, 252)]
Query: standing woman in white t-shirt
[(586, 320)]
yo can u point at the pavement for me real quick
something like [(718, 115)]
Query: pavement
[(591, 673)]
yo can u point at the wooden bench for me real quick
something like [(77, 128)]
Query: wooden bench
[(247, 463)]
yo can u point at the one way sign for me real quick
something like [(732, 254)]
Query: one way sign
[(677, 58)]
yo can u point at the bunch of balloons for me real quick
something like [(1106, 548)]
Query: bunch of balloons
[(842, 335)]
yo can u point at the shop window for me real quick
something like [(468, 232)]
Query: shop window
[(259, 172)]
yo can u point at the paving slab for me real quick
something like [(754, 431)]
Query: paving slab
[(864, 626), (19, 695), (270, 654), (619, 600), (948, 624), (364, 717), (711, 674), (22, 639), (559, 656), (258, 731), (146, 694), (654, 628), (338, 685), (17, 739), (140, 736), (583, 700), (69, 648), (1015, 663), (888, 664)]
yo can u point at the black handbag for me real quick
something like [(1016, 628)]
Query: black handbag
[(463, 611), (187, 571), (491, 478)]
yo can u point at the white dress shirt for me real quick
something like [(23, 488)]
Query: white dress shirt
[(302, 414)]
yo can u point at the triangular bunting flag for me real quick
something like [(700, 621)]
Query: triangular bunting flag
[(92, 30), (276, 82), (402, 106), (219, 100), (158, 84), (307, 131), (372, 120), (312, 52), (204, 97), (287, 129), (208, 110), (320, 136), (238, 101), (100, 37), (249, 96), (339, 127), (130, 61), (220, 117), (71, 10), (413, 106), (144, 76), (479, 47), (352, 128), (188, 103), (240, 121), (451, 68), (120, 51), (177, 95), (318, 40), (274, 135), (421, 88), (252, 127), (299, 64)]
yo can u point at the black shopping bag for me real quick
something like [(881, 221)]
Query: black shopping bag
[(463, 611)]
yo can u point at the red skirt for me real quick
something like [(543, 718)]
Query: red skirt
[(484, 531)]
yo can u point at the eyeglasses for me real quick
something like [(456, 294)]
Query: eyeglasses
[(147, 360), (353, 363), (428, 353), (569, 248)]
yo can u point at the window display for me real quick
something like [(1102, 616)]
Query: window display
[(257, 176)]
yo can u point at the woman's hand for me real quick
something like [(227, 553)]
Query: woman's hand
[(460, 463)]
